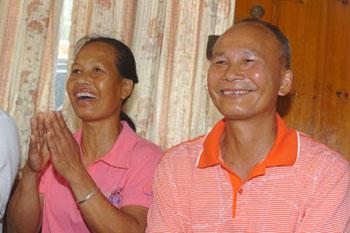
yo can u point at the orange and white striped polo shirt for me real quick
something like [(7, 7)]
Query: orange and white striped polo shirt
[(301, 186)]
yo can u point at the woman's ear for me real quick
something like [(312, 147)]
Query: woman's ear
[(127, 88), (286, 83)]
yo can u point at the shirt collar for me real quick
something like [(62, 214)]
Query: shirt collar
[(119, 154), (284, 151)]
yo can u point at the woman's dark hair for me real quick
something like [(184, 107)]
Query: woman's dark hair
[(125, 61), (125, 117)]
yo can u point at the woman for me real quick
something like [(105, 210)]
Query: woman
[(99, 179)]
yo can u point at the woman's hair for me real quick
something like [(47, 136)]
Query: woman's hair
[(125, 61), (125, 117)]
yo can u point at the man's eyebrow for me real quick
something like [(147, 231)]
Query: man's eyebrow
[(249, 52), (217, 54)]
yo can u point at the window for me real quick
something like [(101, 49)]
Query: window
[(61, 67)]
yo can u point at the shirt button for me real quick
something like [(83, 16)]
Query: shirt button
[(240, 191)]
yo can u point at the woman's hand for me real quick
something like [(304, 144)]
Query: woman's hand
[(38, 154), (64, 150)]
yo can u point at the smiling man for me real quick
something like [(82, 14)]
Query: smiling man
[(251, 173)]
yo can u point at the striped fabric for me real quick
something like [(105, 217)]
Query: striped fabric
[(307, 190)]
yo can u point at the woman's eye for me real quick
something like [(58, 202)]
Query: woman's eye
[(76, 71)]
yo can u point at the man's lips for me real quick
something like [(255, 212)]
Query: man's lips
[(235, 92)]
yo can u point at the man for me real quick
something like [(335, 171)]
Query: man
[(9, 159), (251, 173)]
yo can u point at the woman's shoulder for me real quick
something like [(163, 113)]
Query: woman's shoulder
[(141, 147), (146, 147)]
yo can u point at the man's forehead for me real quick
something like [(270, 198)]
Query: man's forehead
[(247, 32), (251, 28)]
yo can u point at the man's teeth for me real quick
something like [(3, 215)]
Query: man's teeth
[(85, 94), (235, 92)]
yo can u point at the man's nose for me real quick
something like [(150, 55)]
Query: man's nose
[(233, 72)]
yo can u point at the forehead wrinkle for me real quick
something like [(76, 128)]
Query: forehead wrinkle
[(257, 31), (269, 34), (246, 49), (103, 50)]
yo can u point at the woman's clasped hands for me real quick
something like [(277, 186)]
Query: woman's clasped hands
[(52, 141)]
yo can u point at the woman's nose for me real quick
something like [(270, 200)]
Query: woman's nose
[(84, 79)]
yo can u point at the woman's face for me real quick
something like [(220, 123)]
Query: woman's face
[(95, 87)]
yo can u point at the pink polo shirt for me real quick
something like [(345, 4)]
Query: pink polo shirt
[(124, 175), (301, 186)]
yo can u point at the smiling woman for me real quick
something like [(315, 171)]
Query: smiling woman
[(100, 178), (95, 83)]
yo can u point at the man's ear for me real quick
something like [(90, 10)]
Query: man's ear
[(127, 88), (286, 83)]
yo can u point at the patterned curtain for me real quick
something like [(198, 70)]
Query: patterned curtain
[(114, 18), (28, 45), (169, 39)]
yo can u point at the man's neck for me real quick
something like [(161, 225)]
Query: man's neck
[(246, 143)]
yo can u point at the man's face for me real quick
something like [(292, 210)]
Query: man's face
[(246, 72)]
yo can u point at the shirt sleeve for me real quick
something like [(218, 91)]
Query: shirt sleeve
[(9, 159), (168, 209), (138, 189), (329, 210)]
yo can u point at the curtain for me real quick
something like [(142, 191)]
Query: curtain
[(169, 39), (28, 47), (113, 18)]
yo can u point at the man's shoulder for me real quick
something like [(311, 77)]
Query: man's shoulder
[(183, 154), (190, 148), (313, 153), (178, 165)]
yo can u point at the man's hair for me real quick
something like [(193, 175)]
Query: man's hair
[(280, 36), (125, 61)]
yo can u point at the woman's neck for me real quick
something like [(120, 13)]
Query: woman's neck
[(98, 138)]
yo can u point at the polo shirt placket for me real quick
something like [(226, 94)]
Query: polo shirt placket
[(284, 152)]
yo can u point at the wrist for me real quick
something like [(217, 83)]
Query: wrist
[(76, 177), (28, 171), (88, 196), (28, 178)]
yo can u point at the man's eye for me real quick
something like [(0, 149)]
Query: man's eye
[(247, 61), (97, 70), (220, 62)]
